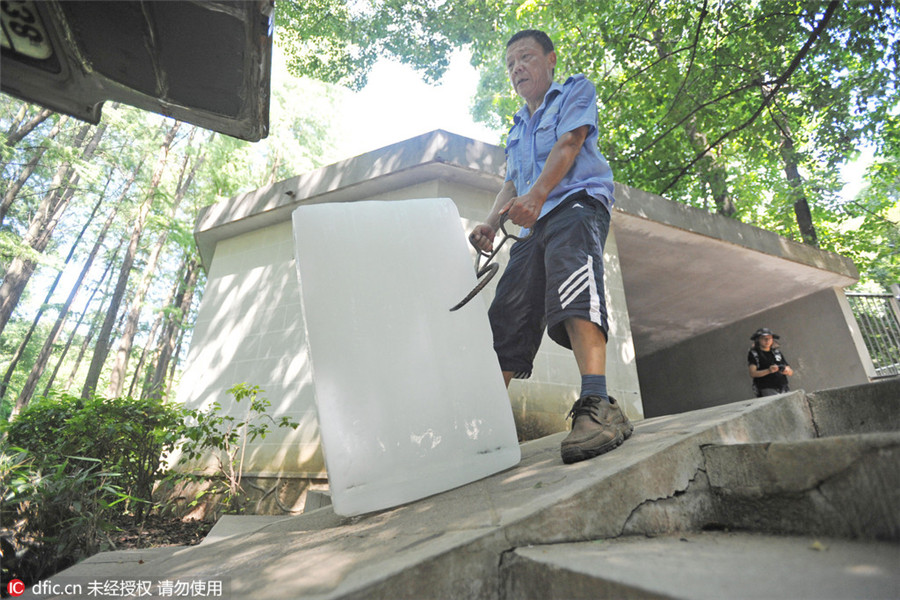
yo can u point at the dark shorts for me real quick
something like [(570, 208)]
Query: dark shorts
[(554, 275)]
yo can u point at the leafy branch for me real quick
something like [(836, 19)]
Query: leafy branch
[(227, 438), (768, 96)]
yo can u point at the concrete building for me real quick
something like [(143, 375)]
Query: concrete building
[(685, 290)]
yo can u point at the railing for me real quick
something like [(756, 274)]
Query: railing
[(878, 317)]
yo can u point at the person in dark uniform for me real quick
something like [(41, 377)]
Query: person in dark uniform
[(768, 367)]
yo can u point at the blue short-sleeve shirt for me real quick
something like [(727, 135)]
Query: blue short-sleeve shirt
[(565, 107)]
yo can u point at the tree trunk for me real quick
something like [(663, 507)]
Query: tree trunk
[(145, 351), (798, 194), (20, 351), (13, 190), (169, 337), (123, 353), (74, 331), (170, 378), (96, 321), (162, 319), (101, 350), (37, 369), (15, 121), (19, 130), (41, 228), (713, 174)]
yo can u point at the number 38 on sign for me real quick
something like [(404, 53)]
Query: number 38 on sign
[(21, 30)]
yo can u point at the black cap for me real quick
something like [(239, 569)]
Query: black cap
[(761, 332)]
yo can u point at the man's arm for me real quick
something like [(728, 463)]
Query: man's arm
[(482, 235), (754, 372), (524, 210)]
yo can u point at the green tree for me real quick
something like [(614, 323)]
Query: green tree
[(869, 225), (40, 151), (744, 107), (338, 41)]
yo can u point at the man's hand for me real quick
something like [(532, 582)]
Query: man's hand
[(482, 237), (524, 210)]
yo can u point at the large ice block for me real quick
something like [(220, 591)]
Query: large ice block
[(410, 397)]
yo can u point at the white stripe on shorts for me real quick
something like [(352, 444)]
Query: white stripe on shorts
[(577, 282)]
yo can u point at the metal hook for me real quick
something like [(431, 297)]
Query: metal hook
[(486, 273)]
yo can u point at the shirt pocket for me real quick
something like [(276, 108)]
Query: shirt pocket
[(545, 135), (513, 155)]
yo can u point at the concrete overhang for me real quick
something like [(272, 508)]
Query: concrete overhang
[(435, 155), (685, 271), (206, 63)]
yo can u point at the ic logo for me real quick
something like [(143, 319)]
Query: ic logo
[(16, 587)]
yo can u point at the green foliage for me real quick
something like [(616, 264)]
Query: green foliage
[(54, 513), (329, 47), (301, 134), (702, 101), (338, 41), (226, 437), (708, 103), (69, 466), (127, 435), (10, 341)]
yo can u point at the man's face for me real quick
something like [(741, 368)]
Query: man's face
[(765, 342), (530, 70)]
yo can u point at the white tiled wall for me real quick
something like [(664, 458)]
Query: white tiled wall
[(249, 329)]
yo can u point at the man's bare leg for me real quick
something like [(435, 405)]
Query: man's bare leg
[(588, 345)]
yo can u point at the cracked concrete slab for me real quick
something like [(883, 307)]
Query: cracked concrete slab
[(738, 566), (451, 545), (865, 408), (787, 467), (841, 485)]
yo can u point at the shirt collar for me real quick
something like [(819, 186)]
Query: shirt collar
[(555, 90)]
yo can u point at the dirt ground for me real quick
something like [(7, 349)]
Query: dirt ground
[(156, 530)]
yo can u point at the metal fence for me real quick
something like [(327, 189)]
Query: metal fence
[(878, 316)]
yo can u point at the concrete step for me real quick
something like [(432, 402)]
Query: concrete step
[(451, 545), (843, 486), (229, 526), (865, 408), (705, 566)]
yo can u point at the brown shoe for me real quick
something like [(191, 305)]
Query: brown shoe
[(598, 426)]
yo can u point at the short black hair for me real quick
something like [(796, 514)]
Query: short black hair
[(539, 36)]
